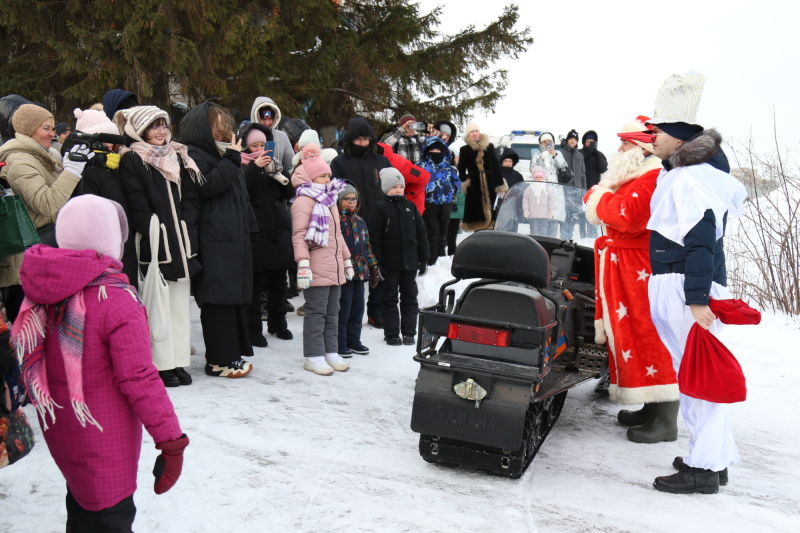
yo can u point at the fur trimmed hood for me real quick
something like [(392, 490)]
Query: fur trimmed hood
[(698, 150), (482, 144)]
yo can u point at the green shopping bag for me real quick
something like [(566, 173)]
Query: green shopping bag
[(17, 232)]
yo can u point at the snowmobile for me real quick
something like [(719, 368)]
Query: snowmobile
[(497, 361)]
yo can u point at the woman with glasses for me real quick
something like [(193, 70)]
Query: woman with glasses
[(158, 177)]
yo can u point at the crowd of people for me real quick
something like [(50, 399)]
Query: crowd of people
[(240, 218)]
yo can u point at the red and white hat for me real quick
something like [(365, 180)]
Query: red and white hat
[(637, 132)]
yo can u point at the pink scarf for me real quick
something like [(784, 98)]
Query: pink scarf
[(247, 158), (165, 159), (28, 334)]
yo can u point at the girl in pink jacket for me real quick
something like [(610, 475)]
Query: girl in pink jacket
[(84, 343), (323, 260)]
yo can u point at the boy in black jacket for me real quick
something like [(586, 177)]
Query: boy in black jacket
[(400, 244)]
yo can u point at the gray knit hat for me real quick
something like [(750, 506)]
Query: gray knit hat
[(389, 178), (347, 190)]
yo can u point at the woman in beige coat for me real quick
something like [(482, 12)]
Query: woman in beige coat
[(42, 178)]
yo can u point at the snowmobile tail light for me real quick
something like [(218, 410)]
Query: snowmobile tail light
[(479, 335)]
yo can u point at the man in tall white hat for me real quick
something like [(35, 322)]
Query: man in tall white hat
[(694, 196)]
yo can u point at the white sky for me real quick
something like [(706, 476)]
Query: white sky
[(595, 64)]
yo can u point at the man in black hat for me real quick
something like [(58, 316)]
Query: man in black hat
[(404, 140), (689, 208), (573, 197)]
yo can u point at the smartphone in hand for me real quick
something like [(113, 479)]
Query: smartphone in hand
[(269, 149)]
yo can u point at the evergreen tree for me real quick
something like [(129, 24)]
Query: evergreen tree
[(322, 60)]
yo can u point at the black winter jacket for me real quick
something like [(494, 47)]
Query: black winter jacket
[(106, 183), (148, 192), (595, 163), (574, 159), (362, 170), (226, 219), (397, 234)]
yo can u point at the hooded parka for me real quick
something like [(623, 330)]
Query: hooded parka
[(226, 219), (284, 151)]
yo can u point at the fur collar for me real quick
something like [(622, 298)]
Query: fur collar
[(697, 151), (482, 144)]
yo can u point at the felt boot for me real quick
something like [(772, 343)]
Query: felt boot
[(630, 418), (662, 426)]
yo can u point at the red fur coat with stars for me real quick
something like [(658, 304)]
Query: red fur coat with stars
[(639, 364)]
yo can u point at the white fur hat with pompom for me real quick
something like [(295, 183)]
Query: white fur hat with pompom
[(93, 121)]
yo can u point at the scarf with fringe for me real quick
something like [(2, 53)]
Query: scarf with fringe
[(325, 196), (29, 332), (165, 159)]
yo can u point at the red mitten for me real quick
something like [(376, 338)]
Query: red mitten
[(169, 464)]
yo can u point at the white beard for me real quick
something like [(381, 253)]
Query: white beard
[(623, 167)]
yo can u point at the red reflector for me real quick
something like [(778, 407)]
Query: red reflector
[(479, 335)]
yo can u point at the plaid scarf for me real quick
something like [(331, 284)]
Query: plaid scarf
[(29, 332), (325, 196), (165, 159)]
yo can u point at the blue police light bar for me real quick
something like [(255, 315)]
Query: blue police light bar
[(526, 132)]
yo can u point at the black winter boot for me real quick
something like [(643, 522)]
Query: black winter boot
[(679, 465), (630, 418), (689, 481), (662, 426)]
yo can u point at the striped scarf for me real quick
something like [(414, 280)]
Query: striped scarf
[(325, 196), (29, 332)]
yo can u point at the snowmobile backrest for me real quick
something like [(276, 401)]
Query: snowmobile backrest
[(502, 255)]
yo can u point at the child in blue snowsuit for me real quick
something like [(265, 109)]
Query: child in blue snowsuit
[(439, 194)]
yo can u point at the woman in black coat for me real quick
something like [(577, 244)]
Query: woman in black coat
[(272, 245), (158, 177), (479, 171), (224, 287)]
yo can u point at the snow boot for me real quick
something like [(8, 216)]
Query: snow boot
[(689, 481), (662, 426), (183, 376), (679, 465), (630, 418), (169, 378)]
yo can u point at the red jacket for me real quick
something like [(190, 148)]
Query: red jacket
[(416, 177)]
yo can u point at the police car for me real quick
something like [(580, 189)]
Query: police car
[(525, 143)]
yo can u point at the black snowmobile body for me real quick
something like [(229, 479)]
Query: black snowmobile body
[(496, 363)]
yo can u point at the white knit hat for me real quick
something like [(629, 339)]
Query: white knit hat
[(92, 121), (679, 99), (308, 137), (472, 126), (139, 118)]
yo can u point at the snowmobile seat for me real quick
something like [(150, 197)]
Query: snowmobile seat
[(504, 256)]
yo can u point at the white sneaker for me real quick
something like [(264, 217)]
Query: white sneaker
[(318, 368), (336, 362)]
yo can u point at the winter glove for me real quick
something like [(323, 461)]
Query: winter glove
[(169, 464), (280, 178), (423, 267), (349, 273), (76, 167), (304, 278), (374, 277)]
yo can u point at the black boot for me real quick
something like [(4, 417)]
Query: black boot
[(169, 378), (689, 481), (635, 418), (662, 426), (183, 376), (679, 465)]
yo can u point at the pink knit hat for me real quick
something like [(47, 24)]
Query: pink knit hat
[(538, 169), (311, 165), (92, 222), (255, 135), (93, 121)]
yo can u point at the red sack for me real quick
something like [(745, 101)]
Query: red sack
[(708, 370)]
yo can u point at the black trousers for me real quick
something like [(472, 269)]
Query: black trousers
[(274, 281), (452, 232), (374, 301), (437, 218), (404, 283), (12, 300), (116, 519), (225, 333)]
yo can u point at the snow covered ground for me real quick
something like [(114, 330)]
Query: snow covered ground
[(285, 450)]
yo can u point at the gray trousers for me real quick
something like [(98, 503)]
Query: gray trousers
[(321, 322)]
